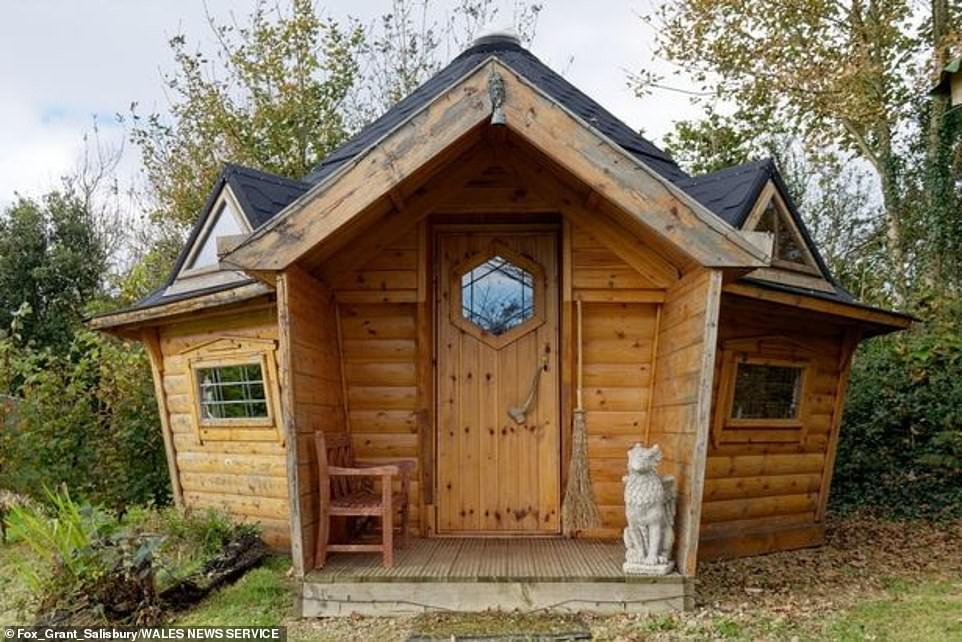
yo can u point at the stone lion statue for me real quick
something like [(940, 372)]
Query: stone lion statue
[(650, 509)]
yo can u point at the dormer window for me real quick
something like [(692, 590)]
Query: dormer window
[(224, 222), (790, 251), (201, 268)]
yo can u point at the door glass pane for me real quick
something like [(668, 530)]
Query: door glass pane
[(497, 295)]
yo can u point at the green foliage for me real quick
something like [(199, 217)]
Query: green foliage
[(87, 419), (60, 540), (271, 97), (202, 531), (86, 562), (901, 441), (707, 145), (845, 77), (51, 264)]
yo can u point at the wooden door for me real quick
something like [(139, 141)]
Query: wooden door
[(497, 319)]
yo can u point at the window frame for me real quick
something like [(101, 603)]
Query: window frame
[(771, 197), (259, 359), (511, 256), (765, 351), (229, 351)]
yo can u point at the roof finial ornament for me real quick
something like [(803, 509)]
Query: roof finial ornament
[(497, 32), (496, 92)]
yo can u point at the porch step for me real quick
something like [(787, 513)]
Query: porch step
[(479, 574)]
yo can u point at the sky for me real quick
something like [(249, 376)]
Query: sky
[(64, 63)]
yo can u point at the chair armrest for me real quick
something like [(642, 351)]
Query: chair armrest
[(371, 471), (405, 466)]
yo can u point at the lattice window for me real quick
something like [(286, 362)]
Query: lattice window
[(766, 391), (498, 295), (232, 392)]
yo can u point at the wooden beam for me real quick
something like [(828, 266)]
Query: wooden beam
[(703, 407), (569, 341), (119, 322), (627, 245), (285, 349), (369, 176), (425, 403), (623, 179), (622, 296), (445, 184), (846, 352), (890, 320), (151, 339)]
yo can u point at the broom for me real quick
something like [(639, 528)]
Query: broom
[(579, 510)]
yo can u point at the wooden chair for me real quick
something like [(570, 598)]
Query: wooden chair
[(347, 490)]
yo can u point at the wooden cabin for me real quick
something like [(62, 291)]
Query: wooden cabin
[(408, 289)]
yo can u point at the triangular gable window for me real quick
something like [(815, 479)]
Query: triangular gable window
[(225, 222), (790, 250)]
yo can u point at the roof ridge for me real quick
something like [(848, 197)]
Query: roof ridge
[(264, 175), (526, 64)]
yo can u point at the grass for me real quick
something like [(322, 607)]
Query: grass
[(929, 612), (263, 597), (851, 590), (13, 587)]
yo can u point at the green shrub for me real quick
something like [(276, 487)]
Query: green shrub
[(88, 565), (87, 419), (901, 442), (60, 536)]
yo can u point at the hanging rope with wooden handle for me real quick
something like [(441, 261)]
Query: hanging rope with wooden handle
[(519, 413)]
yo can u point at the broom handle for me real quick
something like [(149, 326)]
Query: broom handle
[(580, 357)]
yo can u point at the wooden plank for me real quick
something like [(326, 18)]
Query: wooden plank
[(846, 352), (650, 200), (760, 543), (373, 173), (151, 340), (621, 296), (630, 247), (888, 320), (123, 322)]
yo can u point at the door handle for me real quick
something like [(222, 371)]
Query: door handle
[(519, 413)]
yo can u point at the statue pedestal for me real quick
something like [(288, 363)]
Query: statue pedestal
[(635, 568)]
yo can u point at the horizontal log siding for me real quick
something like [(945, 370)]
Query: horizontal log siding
[(617, 343), (682, 389), (380, 351), (763, 497), (245, 473)]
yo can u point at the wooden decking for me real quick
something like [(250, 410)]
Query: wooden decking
[(475, 574)]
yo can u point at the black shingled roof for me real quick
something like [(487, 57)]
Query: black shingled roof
[(260, 195), (536, 72), (730, 193)]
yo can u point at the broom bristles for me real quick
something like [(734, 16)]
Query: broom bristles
[(579, 510)]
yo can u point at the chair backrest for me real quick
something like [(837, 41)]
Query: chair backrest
[(334, 449)]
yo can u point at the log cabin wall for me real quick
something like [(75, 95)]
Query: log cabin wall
[(312, 395), (377, 315), (767, 490), (681, 402), (620, 310), (240, 470)]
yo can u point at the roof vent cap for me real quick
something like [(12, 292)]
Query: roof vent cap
[(494, 32)]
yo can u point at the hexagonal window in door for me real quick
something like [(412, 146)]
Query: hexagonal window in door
[(499, 294)]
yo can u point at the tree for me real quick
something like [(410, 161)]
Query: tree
[(272, 97), (52, 264), (843, 76)]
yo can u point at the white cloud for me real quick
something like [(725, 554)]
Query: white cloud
[(62, 62)]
